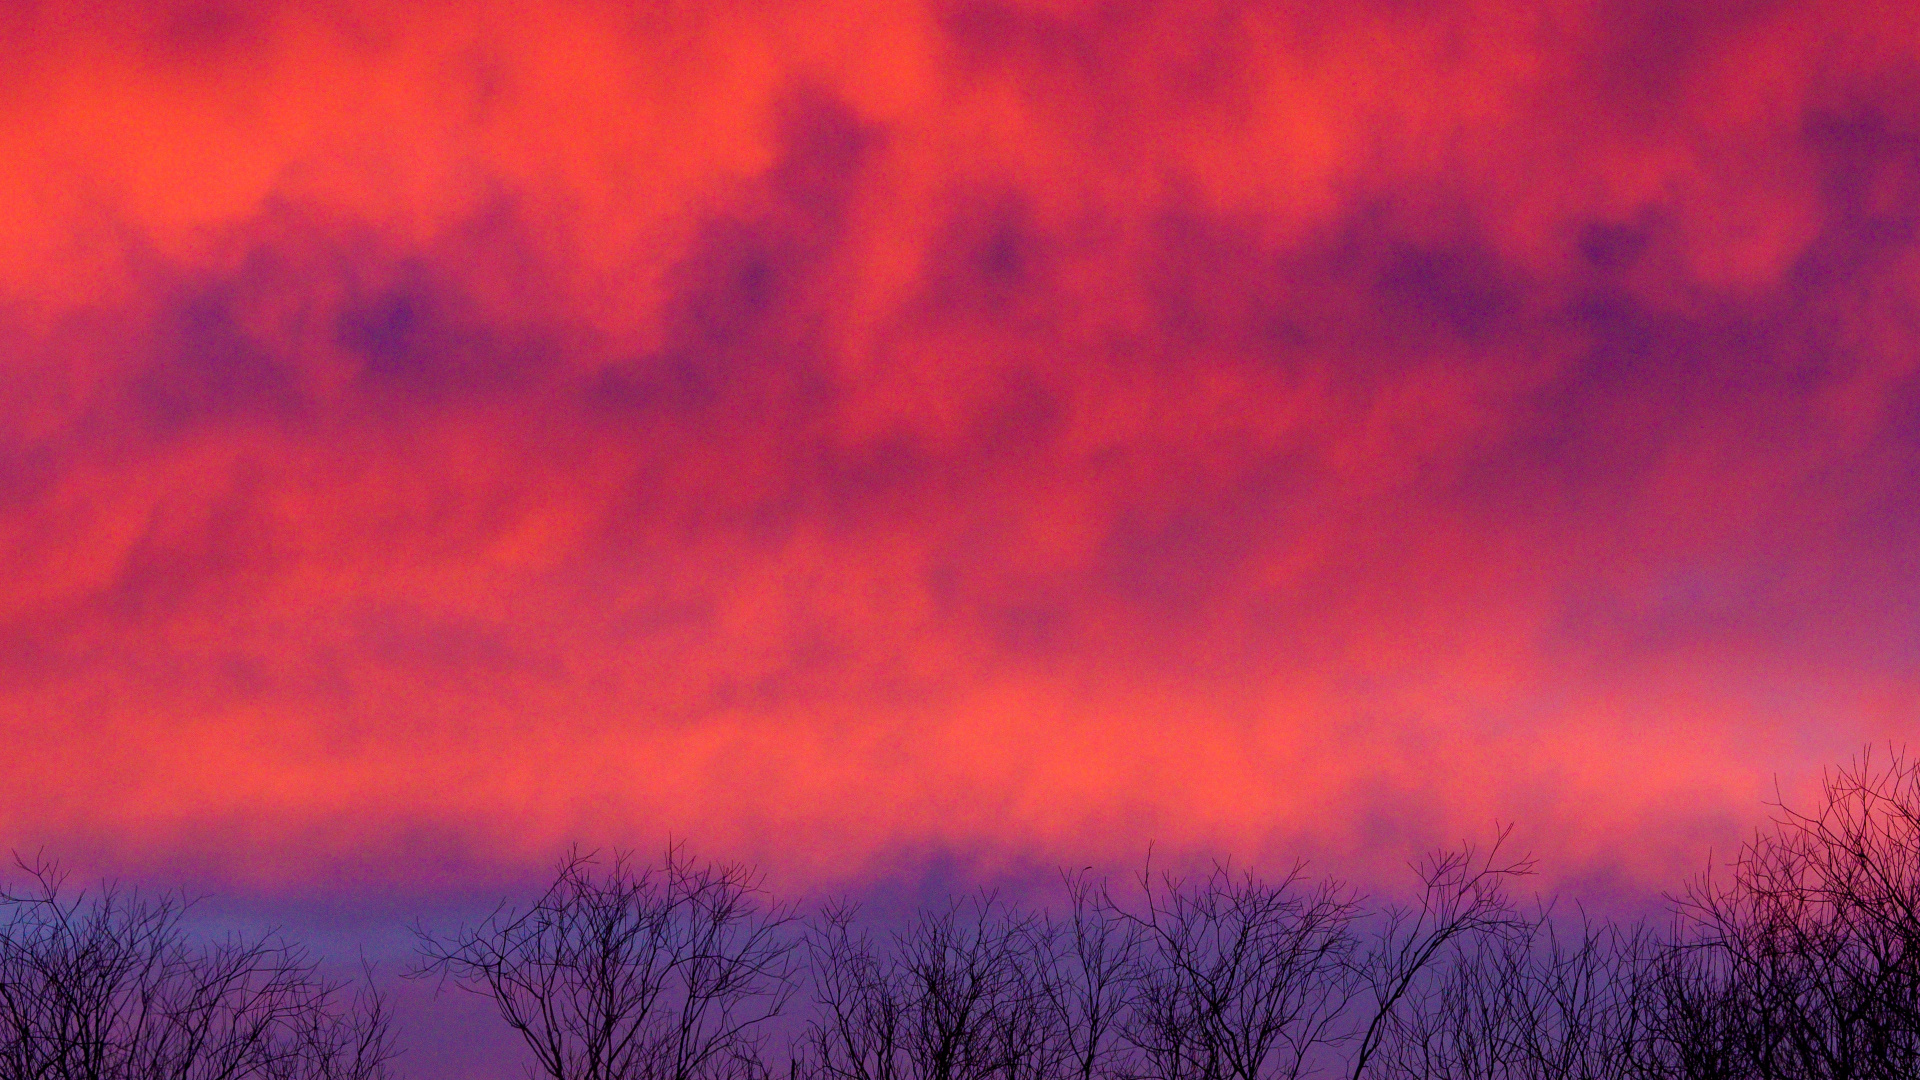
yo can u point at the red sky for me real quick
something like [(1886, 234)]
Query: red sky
[(864, 436)]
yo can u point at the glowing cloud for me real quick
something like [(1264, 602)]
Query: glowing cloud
[(842, 431)]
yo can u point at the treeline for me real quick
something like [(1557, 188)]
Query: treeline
[(1799, 958), (115, 986)]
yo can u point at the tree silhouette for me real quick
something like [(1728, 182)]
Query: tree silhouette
[(623, 970), (968, 992), (112, 986), (1803, 960), (1798, 960)]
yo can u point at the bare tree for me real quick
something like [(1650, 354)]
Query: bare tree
[(112, 986), (1538, 1002), (1097, 975), (859, 1031), (1463, 899), (1701, 1022), (623, 971), (1239, 978), (968, 992), (1803, 961)]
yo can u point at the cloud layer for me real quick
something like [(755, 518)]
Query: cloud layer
[(850, 433)]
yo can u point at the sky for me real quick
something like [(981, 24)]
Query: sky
[(931, 440)]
